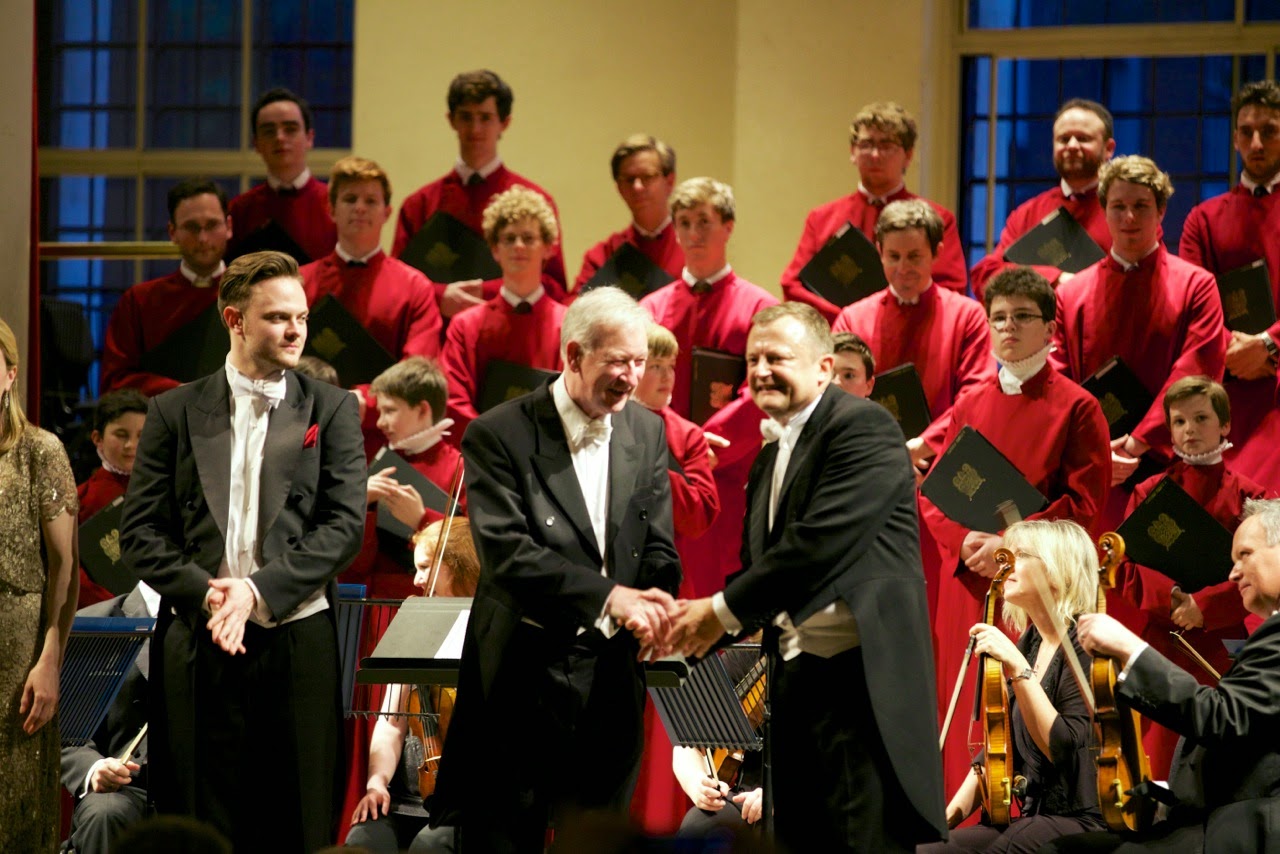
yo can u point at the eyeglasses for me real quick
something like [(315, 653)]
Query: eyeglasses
[(1019, 318), (880, 146), (645, 180), (526, 239)]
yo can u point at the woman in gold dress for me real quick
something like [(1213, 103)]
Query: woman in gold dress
[(38, 584)]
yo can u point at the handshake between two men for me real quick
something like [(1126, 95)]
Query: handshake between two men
[(663, 624)]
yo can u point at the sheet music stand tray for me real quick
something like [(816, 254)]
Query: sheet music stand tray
[(410, 651), (100, 653), (706, 711)]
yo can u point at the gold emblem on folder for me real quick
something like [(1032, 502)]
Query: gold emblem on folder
[(110, 544), (1164, 531), (328, 344), (629, 283), (1235, 304), (845, 270), (514, 391), (1112, 408), (1053, 253), (442, 257), (968, 481), (890, 402)]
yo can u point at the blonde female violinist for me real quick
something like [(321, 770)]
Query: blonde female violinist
[(1052, 772), (404, 751)]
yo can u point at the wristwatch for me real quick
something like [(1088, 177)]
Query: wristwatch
[(1273, 349), (1026, 674)]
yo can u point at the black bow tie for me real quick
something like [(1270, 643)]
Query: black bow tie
[(475, 179), (701, 287), (1260, 191), (522, 307), (357, 263), (286, 191)]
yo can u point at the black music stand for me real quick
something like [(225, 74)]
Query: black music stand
[(423, 645), (100, 653), (349, 615)]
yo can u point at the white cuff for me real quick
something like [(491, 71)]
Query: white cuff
[(607, 625), (1137, 652), (724, 615), (88, 778), (260, 610)]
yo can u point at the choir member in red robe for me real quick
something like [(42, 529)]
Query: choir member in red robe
[(117, 426), (658, 803), (479, 113), (882, 140), (410, 404), (520, 324), (149, 312), (644, 170), (1198, 414), (291, 197), (1068, 460), (942, 333), (709, 306), (855, 364), (1235, 229), (1159, 314), (1082, 141)]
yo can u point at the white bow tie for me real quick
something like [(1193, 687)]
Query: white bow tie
[(772, 430), (594, 432), (270, 391)]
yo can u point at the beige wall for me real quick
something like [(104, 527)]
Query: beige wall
[(754, 92), (15, 174)]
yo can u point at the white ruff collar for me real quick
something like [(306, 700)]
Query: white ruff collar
[(423, 439), (106, 464), (1013, 374), (1208, 458)]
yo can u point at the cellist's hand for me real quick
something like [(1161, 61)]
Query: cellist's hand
[(995, 643), (710, 794), (376, 798), (752, 804), (1101, 634)]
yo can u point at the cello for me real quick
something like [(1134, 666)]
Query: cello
[(750, 689), (993, 769), (1122, 761)]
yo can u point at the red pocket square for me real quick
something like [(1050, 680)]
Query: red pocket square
[(313, 433)]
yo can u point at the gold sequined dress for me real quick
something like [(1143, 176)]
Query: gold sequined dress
[(35, 484)]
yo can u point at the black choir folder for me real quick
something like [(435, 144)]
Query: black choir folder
[(100, 550), (716, 378), (271, 235), (195, 350), (846, 269), (974, 485), (393, 535), (900, 391), (1247, 303), (1171, 533), (338, 338), (1058, 241), (1124, 399), (631, 270), (505, 381), (447, 251)]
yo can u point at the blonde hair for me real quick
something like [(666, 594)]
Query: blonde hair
[(352, 169), (1070, 567), (708, 191), (12, 418), (513, 205), (662, 342), (1135, 169)]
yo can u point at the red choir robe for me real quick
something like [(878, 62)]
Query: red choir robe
[(1221, 234), (1068, 460), (662, 250), (467, 204), (1222, 492), (825, 220), (1164, 319), (385, 579), (482, 333), (709, 559), (391, 300), (304, 215), (659, 804), (1085, 208), (99, 489), (719, 320), (945, 335), (143, 319)]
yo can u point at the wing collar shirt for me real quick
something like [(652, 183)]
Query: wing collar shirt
[(251, 405)]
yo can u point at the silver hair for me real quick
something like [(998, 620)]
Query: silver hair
[(597, 313), (1268, 512)]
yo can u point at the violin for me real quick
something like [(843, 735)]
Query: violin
[(994, 770), (435, 700), (1122, 761), (750, 690)]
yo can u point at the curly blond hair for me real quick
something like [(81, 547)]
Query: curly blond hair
[(514, 205)]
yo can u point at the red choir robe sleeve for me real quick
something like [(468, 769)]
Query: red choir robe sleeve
[(694, 499)]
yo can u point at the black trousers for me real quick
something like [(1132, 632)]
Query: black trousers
[(833, 785), (267, 723), (581, 703)]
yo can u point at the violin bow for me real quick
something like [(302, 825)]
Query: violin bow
[(1199, 659), (455, 496)]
